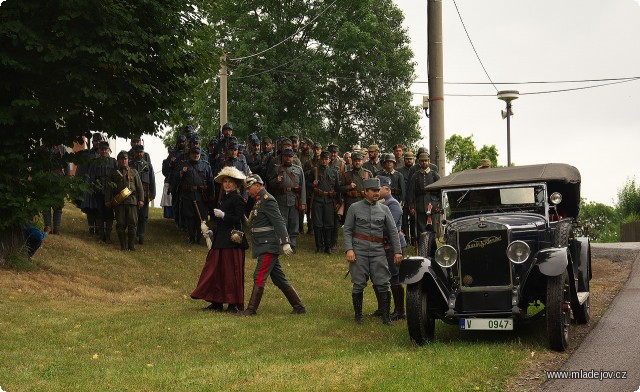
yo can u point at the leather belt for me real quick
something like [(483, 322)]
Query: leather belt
[(355, 193), (288, 190), (261, 229), (323, 193), (193, 188), (369, 238)]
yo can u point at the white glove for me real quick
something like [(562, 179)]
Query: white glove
[(218, 213), (209, 233), (288, 250), (204, 228)]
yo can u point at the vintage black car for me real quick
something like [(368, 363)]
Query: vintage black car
[(506, 248)]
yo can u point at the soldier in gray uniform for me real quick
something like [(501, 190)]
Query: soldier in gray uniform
[(148, 178), (418, 198), (397, 179), (408, 220), (323, 179), (269, 240), (125, 177), (99, 173), (289, 189), (364, 243), (196, 193), (373, 164)]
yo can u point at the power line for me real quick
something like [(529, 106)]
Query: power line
[(536, 82), (289, 37), (472, 46)]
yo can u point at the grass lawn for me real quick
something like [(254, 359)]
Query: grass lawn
[(91, 317)]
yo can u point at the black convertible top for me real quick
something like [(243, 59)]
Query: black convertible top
[(560, 172)]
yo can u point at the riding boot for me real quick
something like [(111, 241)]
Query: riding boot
[(254, 302), (122, 237), (132, 239), (378, 311), (294, 300), (327, 240), (384, 303), (398, 302), (107, 234), (317, 234), (357, 307)]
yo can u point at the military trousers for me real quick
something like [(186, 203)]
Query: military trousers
[(375, 268), (393, 268), (126, 218), (143, 218), (323, 215), (269, 266), (291, 217)]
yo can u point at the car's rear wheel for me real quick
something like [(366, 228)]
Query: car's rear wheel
[(420, 324), (558, 312)]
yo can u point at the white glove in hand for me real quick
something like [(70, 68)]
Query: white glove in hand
[(218, 213), (209, 234), (288, 250)]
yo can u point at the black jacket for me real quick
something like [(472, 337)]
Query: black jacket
[(233, 206)]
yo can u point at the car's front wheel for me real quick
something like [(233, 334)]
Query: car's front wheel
[(420, 324), (558, 311)]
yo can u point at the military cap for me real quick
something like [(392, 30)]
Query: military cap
[(188, 129), (195, 139), (317, 145), (307, 141), (294, 138), (388, 157), (97, 137), (138, 147), (423, 156), (356, 155), (136, 138), (253, 138), (123, 155), (409, 155), (241, 147), (267, 140), (253, 179), (324, 154), (287, 152), (385, 181), (332, 148), (374, 147), (421, 150), (196, 150), (227, 126), (371, 183), (286, 142), (232, 145), (398, 146), (103, 144), (182, 139)]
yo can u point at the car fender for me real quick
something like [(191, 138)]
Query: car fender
[(416, 268), (553, 261)]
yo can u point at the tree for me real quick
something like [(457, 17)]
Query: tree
[(462, 151), (629, 199), (344, 76), (599, 222), (68, 67)]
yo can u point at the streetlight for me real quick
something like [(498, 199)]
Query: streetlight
[(508, 96)]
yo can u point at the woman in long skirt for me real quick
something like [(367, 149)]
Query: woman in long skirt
[(222, 278)]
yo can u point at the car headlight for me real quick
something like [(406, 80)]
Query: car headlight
[(518, 252), (446, 256), (555, 198)]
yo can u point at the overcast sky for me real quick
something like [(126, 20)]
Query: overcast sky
[(595, 129)]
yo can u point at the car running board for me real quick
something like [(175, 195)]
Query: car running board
[(582, 296)]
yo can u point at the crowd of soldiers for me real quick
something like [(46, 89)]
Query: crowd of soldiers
[(308, 180)]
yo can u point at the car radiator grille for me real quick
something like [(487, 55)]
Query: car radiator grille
[(483, 258)]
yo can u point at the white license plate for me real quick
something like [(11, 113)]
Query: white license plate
[(483, 324)]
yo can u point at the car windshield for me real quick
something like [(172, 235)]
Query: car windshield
[(474, 201)]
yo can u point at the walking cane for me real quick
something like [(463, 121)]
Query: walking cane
[(203, 226)]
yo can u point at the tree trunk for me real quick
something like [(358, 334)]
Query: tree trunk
[(10, 240)]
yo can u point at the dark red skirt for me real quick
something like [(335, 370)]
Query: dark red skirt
[(222, 277)]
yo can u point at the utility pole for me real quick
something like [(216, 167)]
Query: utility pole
[(436, 85), (223, 89)]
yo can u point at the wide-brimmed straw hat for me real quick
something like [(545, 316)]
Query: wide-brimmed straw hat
[(230, 171)]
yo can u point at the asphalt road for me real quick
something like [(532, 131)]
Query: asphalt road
[(612, 348)]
